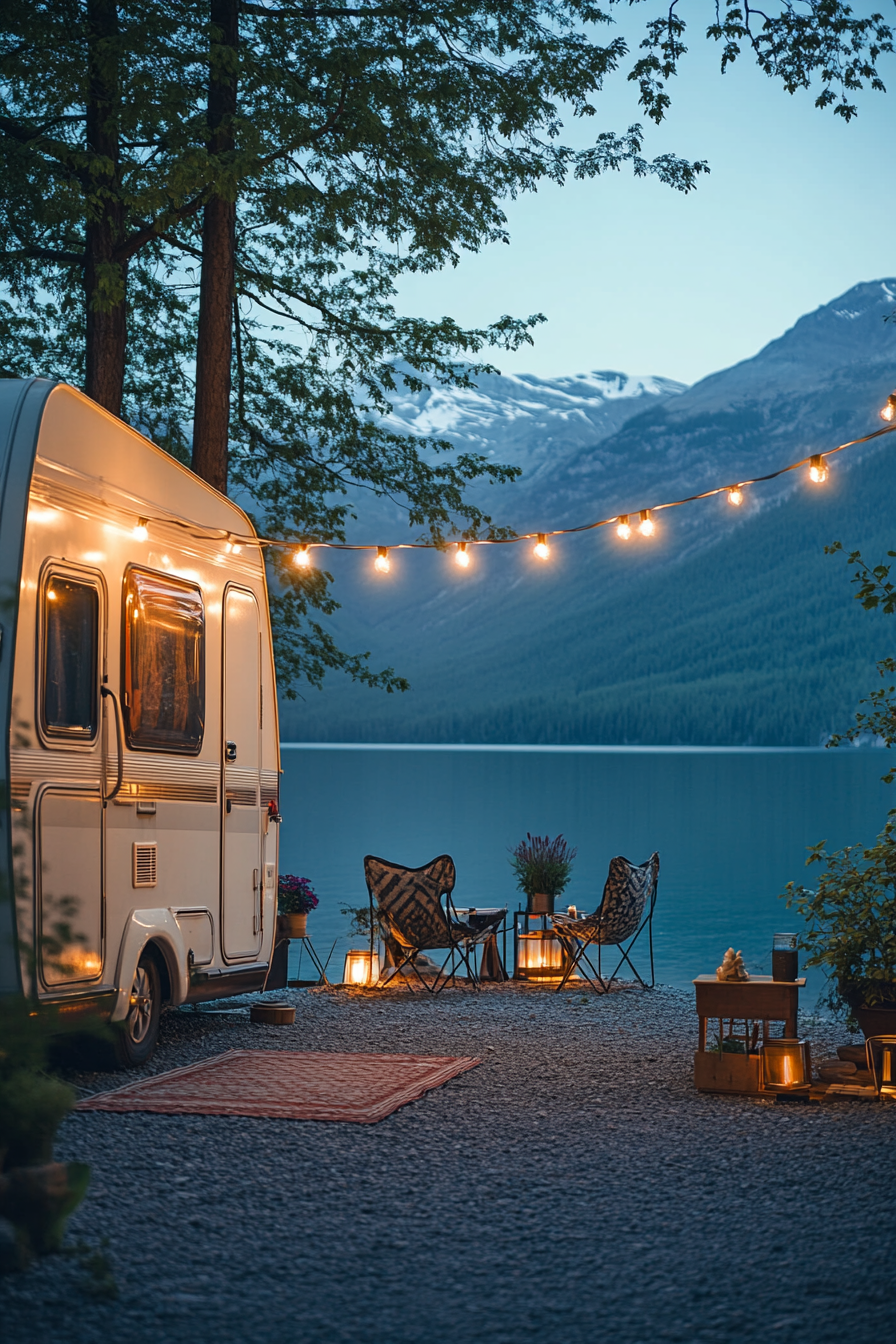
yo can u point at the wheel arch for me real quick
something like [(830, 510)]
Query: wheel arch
[(158, 930)]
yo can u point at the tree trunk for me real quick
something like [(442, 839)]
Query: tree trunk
[(214, 347), (105, 280)]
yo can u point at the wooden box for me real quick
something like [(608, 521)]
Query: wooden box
[(714, 1072)]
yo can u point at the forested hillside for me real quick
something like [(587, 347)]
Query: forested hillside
[(729, 627)]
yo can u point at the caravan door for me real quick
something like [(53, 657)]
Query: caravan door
[(241, 830), (68, 808)]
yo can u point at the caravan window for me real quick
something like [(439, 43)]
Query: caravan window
[(71, 629), (164, 663)]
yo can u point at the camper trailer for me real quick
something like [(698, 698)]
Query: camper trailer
[(138, 854)]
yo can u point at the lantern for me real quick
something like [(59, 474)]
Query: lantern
[(539, 956), (785, 1064), (881, 1053), (361, 967)]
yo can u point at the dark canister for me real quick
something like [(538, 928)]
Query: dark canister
[(785, 961)]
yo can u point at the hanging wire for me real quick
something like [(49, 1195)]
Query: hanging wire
[(734, 490)]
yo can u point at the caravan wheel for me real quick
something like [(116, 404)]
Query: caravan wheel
[(139, 1032)]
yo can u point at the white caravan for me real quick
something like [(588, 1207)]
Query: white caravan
[(138, 850)]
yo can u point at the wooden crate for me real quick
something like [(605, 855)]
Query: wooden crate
[(714, 1072)]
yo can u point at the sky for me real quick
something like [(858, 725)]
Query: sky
[(799, 207)]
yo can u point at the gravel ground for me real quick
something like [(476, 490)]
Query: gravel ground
[(573, 1185)]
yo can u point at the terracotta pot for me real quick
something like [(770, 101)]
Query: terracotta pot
[(877, 1021), (296, 925)]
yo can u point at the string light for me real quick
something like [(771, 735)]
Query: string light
[(818, 472), (461, 555), (302, 558)]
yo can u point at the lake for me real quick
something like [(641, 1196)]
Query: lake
[(731, 825)]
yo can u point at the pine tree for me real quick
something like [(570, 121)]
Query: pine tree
[(208, 208)]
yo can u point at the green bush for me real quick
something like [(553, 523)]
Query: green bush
[(37, 1195), (32, 1107), (851, 917)]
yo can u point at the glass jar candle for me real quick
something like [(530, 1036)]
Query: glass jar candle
[(785, 958)]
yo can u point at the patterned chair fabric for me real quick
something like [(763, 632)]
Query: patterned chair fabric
[(409, 908), (629, 891), (409, 900)]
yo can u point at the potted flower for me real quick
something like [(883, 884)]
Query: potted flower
[(295, 901), (851, 917), (543, 867)]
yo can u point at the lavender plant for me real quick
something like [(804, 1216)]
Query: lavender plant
[(542, 864)]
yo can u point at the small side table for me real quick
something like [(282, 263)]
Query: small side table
[(491, 965), (759, 999)]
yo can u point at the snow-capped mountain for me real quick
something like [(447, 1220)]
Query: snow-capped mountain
[(527, 420), (731, 625)]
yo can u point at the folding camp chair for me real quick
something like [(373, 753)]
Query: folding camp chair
[(407, 902), (630, 890)]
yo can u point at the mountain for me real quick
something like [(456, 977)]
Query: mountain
[(540, 425), (729, 626)]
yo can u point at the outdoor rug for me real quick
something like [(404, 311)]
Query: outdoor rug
[(287, 1085)]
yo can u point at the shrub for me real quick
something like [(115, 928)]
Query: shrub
[(851, 917)]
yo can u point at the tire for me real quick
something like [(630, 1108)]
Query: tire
[(136, 1036)]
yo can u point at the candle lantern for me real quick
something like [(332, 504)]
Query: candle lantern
[(785, 1064), (539, 956), (361, 967), (881, 1053)]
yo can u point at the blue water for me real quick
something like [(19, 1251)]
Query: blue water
[(731, 826)]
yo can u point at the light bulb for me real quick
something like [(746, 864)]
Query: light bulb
[(646, 525), (302, 558), (888, 412), (381, 562), (461, 557), (541, 548), (624, 528), (736, 496), (141, 531), (818, 471)]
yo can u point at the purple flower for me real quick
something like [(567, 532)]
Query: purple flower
[(295, 895)]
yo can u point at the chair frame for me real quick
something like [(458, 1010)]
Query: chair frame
[(461, 941), (576, 948)]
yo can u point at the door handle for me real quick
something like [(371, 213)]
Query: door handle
[(106, 691), (230, 752)]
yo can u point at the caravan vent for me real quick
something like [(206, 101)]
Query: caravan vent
[(145, 865)]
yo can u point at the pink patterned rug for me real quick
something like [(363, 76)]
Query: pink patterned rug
[(287, 1085)]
